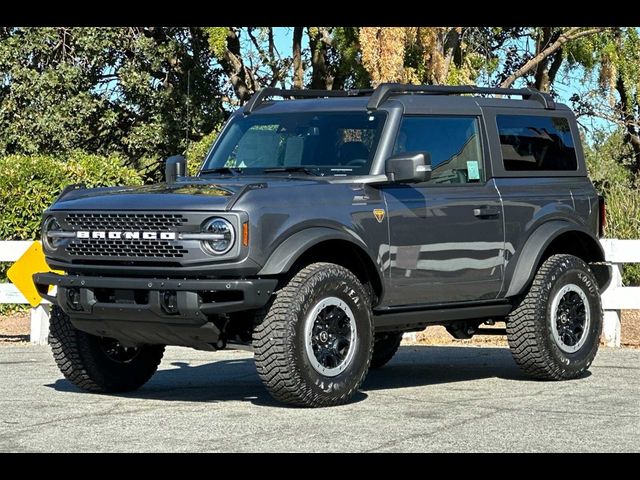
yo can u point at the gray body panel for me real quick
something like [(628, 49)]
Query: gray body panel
[(439, 251)]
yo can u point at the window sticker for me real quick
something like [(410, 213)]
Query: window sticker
[(473, 171)]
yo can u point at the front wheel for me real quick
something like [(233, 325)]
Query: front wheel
[(99, 364), (313, 348), (554, 332)]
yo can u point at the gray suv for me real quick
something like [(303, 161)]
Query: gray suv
[(322, 226)]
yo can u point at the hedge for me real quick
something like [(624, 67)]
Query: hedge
[(609, 163), (29, 184)]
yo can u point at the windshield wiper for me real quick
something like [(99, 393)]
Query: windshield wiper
[(308, 171), (230, 170)]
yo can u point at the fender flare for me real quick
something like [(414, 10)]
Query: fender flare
[(533, 249), (286, 254)]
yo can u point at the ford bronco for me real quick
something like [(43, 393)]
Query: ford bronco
[(322, 226)]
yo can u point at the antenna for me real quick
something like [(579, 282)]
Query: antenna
[(186, 128)]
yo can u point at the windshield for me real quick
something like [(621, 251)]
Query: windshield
[(318, 143)]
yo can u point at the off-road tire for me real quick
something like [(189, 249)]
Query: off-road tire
[(84, 363), (384, 348), (279, 340), (529, 330)]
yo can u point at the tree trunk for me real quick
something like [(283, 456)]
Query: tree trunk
[(320, 77), (240, 77), (451, 50), (541, 72), (632, 136), (298, 69)]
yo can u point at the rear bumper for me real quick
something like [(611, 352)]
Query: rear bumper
[(193, 296)]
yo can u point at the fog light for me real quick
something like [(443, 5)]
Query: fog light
[(73, 299), (169, 302)]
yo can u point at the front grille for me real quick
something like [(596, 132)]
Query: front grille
[(125, 221), (125, 248)]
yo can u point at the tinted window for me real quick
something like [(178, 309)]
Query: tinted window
[(327, 143), (452, 142), (536, 143)]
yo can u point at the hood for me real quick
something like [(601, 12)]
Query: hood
[(192, 193)]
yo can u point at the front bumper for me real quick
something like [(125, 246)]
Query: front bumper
[(195, 298), (134, 311)]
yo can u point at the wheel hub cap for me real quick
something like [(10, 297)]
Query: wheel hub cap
[(116, 352), (570, 318), (330, 335)]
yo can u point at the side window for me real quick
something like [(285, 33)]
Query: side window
[(536, 143), (452, 142)]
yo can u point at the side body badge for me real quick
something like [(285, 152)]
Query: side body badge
[(379, 214)]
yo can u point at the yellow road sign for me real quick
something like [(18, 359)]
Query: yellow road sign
[(21, 272)]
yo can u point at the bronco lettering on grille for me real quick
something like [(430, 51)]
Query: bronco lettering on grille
[(123, 235)]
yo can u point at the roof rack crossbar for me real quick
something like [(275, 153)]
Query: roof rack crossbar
[(261, 95), (385, 90)]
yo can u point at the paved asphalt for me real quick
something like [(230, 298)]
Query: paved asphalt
[(426, 399)]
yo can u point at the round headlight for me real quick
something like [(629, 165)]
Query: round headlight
[(226, 236), (50, 225)]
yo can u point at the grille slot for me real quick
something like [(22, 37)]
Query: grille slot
[(125, 248), (125, 221)]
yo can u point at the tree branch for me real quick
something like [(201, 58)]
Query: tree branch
[(572, 33)]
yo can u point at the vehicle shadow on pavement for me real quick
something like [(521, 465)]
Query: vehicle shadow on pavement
[(237, 380), (418, 365)]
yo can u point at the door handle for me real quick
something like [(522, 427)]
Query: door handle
[(486, 212)]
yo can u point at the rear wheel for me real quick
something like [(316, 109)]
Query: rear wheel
[(99, 364), (385, 347), (313, 348), (555, 331)]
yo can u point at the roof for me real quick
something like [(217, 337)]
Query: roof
[(414, 99)]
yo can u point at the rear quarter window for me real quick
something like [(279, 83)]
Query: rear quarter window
[(536, 143)]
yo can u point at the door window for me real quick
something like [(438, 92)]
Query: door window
[(452, 142)]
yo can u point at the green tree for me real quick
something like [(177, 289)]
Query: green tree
[(540, 65), (614, 58), (139, 92), (250, 60)]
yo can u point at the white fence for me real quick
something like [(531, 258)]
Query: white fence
[(614, 299)]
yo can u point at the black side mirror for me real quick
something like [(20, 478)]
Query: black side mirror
[(410, 167), (174, 168)]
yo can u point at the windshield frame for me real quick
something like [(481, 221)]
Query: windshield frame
[(326, 171)]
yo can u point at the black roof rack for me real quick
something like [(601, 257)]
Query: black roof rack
[(264, 93), (385, 90)]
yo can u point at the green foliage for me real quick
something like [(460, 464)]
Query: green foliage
[(198, 150), (608, 160), (217, 37), (30, 184), (346, 48), (123, 90)]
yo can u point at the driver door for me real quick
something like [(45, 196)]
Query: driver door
[(446, 234)]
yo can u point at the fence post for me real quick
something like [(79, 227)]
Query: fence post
[(40, 324), (410, 337), (611, 329)]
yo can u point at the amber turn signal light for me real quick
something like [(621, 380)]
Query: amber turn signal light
[(245, 234)]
